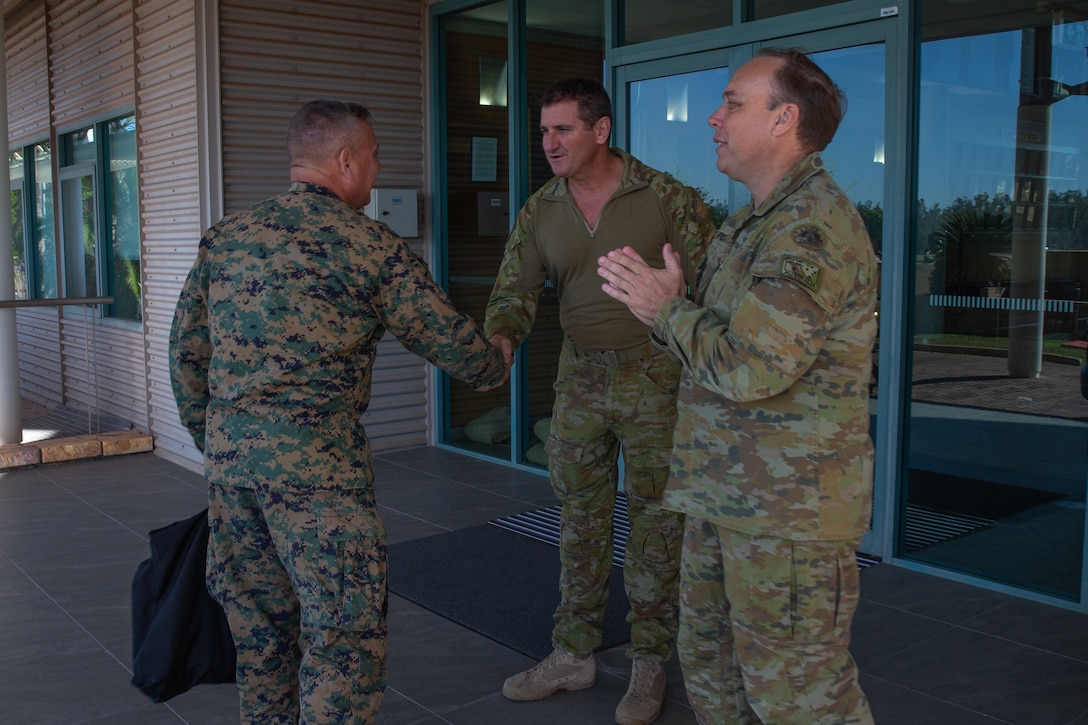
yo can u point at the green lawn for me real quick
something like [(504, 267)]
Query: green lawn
[(1050, 346)]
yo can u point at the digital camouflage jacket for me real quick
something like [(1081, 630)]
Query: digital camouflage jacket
[(275, 333)]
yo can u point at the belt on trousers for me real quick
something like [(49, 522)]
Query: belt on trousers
[(615, 358)]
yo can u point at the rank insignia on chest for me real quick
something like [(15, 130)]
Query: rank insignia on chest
[(809, 237), (801, 271)]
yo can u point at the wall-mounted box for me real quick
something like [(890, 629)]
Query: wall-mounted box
[(397, 208)]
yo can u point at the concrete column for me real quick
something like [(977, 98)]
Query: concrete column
[(1027, 271), (11, 401)]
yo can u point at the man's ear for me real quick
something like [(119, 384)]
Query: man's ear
[(344, 162), (787, 116), (603, 129)]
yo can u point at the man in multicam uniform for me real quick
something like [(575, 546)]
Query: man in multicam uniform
[(612, 389), (271, 354), (772, 460)]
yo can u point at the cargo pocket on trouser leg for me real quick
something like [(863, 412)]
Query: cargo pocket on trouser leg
[(651, 569), (344, 621), (585, 485)]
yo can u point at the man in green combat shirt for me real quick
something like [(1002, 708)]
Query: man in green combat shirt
[(772, 461), (271, 353), (613, 389)]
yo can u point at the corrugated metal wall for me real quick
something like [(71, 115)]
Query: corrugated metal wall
[(27, 77), (159, 56), (91, 52), (278, 54), (173, 214), (90, 59)]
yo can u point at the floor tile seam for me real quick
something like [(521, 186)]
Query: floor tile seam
[(413, 517), (52, 600), (443, 480), (430, 713), (927, 695), (1026, 645), (922, 644), (96, 509)]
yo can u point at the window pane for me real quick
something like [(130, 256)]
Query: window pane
[(477, 160), (80, 267), (1001, 302), (45, 238), (18, 243), (124, 220), (655, 19), (79, 147), (669, 130), (554, 51)]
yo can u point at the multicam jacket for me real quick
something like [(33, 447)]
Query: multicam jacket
[(275, 333), (773, 431), (551, 242)]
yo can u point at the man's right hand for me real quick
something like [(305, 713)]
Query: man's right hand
[(506, 346)]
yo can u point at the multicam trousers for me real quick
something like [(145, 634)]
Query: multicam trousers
[(601, 406), (302, 578), (765, 627)]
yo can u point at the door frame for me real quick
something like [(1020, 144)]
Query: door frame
[(819, 31)]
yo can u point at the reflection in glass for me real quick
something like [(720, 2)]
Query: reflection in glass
[(80, 236), (998, 438), (563, 40), (15, 171), (669, 130), (45, 239), (476, 204), (124, 219)]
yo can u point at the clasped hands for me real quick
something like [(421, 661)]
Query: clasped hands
[(644, 289)]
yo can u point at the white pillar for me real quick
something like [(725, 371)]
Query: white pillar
[(11, 402)]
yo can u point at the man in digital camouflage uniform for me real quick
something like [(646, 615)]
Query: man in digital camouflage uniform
[(271, 354), (772, 460), (613, 388)]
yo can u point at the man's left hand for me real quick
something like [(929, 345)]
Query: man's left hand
[(641, 287)]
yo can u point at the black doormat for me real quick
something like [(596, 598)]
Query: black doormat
[(984, 499), (500, 584)]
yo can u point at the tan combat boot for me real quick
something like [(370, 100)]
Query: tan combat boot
[(558, 671), (642, 703)]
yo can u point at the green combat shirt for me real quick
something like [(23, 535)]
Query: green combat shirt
[(773, 430), (275, 334), (551, 242)]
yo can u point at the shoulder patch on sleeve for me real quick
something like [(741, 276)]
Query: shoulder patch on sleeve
[(809, 237), (802, 271)]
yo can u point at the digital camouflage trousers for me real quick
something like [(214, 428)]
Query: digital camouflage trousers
[(302, 579)]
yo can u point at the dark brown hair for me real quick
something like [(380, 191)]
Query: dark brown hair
[(593, 101), (822, 103)]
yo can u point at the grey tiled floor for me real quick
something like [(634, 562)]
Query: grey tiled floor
[(931, 651)]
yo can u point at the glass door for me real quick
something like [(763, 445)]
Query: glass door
[(998, 417), (669, 108), (490, 121)]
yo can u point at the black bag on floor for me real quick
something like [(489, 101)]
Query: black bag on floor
[(180, 636)]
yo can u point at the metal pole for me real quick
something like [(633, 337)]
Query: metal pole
[(11, 401)]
